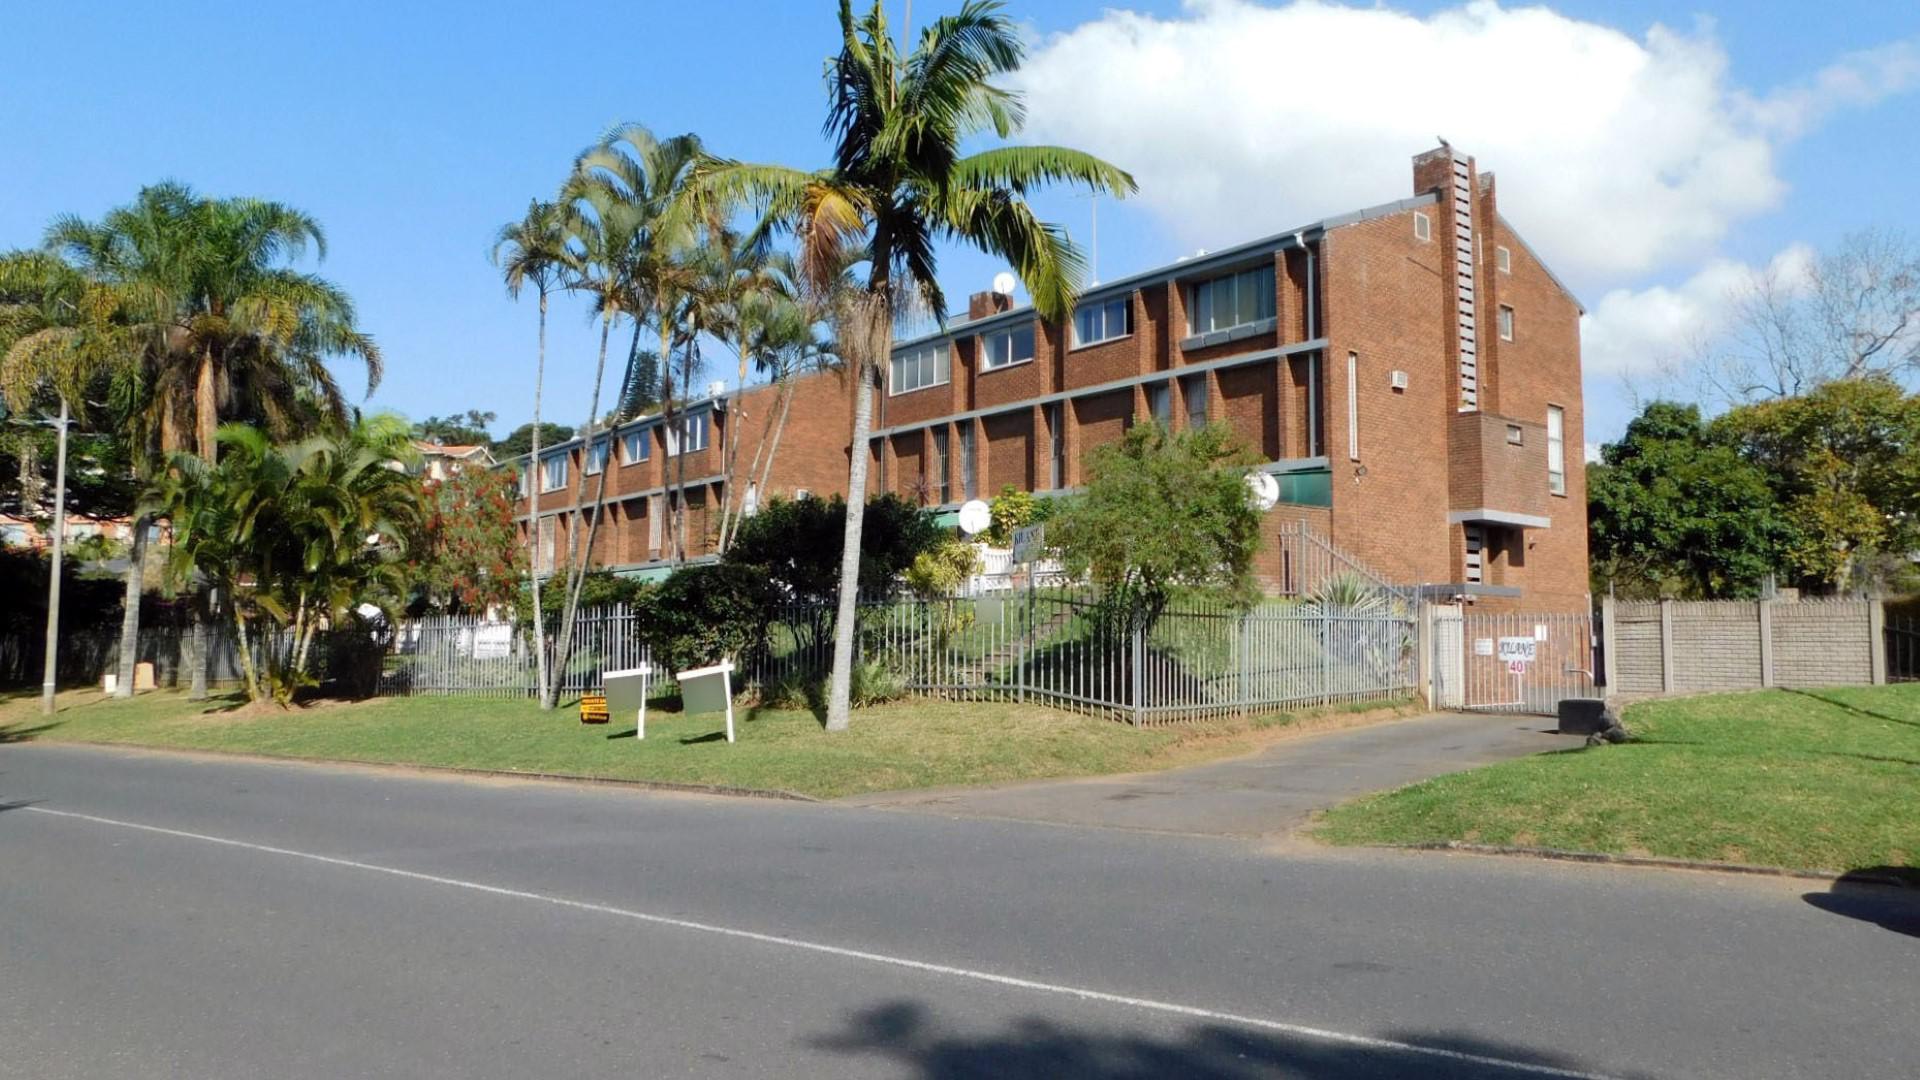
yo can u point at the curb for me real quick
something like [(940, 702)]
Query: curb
[(456, 770), (1657, 862)]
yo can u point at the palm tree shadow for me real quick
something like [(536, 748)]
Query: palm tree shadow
[(906, 1033), (1875, 895), (1854, 709)]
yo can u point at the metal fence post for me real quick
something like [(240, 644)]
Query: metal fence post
[(1326, 657), (1139, 673)]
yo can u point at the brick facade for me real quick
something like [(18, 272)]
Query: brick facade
[(1398, 438)]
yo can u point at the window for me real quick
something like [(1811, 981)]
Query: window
[(526, 478), (597, 457), (1102, 321), (638, 445), (1316, 434), (1007, 348), (1506, 323), (1353, 406), (694, 427), (1230, 301), (1057, 448), (1475, 542), (1516, 436), (967, 490), (1160, 404), (554, 474), (1556, 450), (1503, 260), (1195, 391), (937, 464), (1422, 226), (928, 365), (547, 545)]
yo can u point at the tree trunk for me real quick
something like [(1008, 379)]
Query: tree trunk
[(542, 676), (248, 677), (730, 454), (577, 571), (130, 610), (876, 332), (198, 643), (773, 444), (674, 510), (206, 410)]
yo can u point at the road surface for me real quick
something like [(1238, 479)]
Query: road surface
[(165, 916)]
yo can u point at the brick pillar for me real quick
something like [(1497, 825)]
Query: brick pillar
[(1667, 677), (1766, 641), (1877, 639)]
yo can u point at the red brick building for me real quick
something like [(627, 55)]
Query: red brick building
[(1409, 372)]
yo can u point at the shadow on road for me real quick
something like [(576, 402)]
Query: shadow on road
[(1864, 895), (907, 1033)]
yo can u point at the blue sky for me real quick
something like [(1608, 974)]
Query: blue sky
[(413, 130)]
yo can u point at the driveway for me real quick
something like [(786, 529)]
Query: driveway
[(1272, 791)]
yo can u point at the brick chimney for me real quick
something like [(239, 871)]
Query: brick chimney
[(982, 304)]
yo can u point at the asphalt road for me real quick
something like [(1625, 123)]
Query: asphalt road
[(171, 917)]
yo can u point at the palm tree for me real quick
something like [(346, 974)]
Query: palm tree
[(898, 184), (614, 204), (230, 329), (534, 250), (299, 533)]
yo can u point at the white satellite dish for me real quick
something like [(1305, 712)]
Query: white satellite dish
[(1003, 283), (1263, 489), (976, 517)]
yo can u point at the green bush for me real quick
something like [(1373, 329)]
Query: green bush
[(704, 614)]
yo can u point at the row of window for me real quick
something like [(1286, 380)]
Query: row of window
[(636, 446), (1222, 303)]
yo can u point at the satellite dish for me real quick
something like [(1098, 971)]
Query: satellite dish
[(1263, 489), (1003, 283), (976, 517)]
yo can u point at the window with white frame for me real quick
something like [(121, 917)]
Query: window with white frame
[(1503, 260), (1506, 323), (1007, 348), (553, 473), (637, 446), (1556, 450), (1102, 320), (917, 369), (687, 434), (1422, 226), (1231, 300), (597, 457)]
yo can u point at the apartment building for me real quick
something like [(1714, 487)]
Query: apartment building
[(663, 494), (1408, 373)]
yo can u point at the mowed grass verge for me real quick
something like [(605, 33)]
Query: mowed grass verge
[(1825, 780), (908, 744)]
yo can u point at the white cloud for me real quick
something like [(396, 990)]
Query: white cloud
[(1617, 155), (1636, 332)]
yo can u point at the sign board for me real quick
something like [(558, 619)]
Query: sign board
[(1540, 631), (491, 641), (1483, 646), (708, 690), (1029, 543), (1517, 667), (1523, 649)]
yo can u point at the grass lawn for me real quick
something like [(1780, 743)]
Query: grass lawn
[(907, 744), (1806, 780)]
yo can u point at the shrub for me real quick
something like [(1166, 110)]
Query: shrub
[(705, 614)]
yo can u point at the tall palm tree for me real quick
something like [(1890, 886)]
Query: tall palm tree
[(231, 330), (899, 184), (533, 250), (630, 267)]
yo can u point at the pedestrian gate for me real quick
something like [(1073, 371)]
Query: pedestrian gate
[(1510, 662)]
